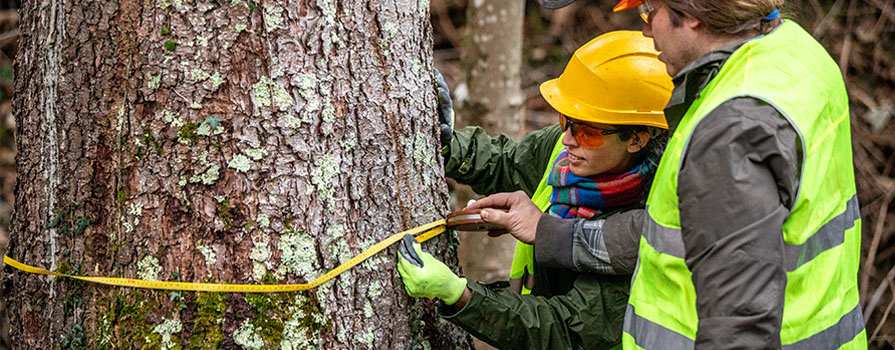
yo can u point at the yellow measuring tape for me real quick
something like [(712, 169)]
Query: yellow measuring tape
[(422, 233)]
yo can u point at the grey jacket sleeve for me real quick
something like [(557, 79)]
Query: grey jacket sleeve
[(736, 186), (606, 246)]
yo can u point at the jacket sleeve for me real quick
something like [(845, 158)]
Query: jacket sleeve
[(590, 315), (736, 187), (492, 164), (607, 246)]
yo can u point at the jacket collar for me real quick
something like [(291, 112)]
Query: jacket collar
[(690, 81)]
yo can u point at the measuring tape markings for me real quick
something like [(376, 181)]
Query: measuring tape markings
[(422, 233)]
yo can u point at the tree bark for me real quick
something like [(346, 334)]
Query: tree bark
[(223, 141), (491, 97)]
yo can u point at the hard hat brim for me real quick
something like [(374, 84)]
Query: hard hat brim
[(555, 4), (582, 110), (624, 5)]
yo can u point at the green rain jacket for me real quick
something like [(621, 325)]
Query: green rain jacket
[(571, 310)]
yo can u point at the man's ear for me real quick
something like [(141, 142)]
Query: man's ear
[(638, 141), (691, 22)]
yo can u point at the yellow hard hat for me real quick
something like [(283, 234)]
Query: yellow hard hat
[(616, 78)]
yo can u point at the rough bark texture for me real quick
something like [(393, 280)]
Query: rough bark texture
[(226, 141), (492, 57), (491, 98)]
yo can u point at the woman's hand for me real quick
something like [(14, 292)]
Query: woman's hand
[(514, 211), (431, 279)]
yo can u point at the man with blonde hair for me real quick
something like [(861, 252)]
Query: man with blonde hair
[(751, 235)]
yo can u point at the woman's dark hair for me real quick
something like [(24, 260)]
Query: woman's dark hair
[(656, 144), (626, 132)]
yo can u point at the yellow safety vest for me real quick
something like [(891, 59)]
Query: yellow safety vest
[(523, 256), (793, 72)]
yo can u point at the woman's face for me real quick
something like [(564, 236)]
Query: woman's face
[(600, 154)]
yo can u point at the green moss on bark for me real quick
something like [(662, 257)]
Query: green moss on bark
[(170, 45), (207, 332), (270, 316), (287, 321), (127, 322), (187, 132)]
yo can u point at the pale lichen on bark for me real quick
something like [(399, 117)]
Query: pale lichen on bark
[(226, 141)]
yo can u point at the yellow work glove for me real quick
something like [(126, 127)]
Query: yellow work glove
[(431, 280)]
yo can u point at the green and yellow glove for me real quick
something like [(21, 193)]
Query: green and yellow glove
[(432, 280)]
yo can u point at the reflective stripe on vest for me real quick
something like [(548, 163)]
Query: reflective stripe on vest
[(651, 335), (523, 254), (789, 70), (668, 240)]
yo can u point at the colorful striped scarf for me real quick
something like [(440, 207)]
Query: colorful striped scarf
[(588, 197)]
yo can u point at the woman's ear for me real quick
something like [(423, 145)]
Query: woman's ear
[(638, 141)]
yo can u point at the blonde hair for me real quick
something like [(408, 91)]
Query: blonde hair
[(730, 17)]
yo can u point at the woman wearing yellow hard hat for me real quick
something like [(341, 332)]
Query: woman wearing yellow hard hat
[(594, 165), (609, 99)]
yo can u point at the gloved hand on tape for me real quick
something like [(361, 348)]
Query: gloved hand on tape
[(426, 277)]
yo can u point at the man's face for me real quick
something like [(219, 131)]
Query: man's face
[(676, 42)]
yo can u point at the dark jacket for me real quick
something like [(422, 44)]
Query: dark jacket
[(567, 309), (492, 164)]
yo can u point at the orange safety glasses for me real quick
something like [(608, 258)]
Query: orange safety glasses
[(587, 136)]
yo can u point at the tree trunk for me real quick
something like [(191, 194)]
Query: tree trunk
[(491, 97), (223, 141), (492, 59)]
